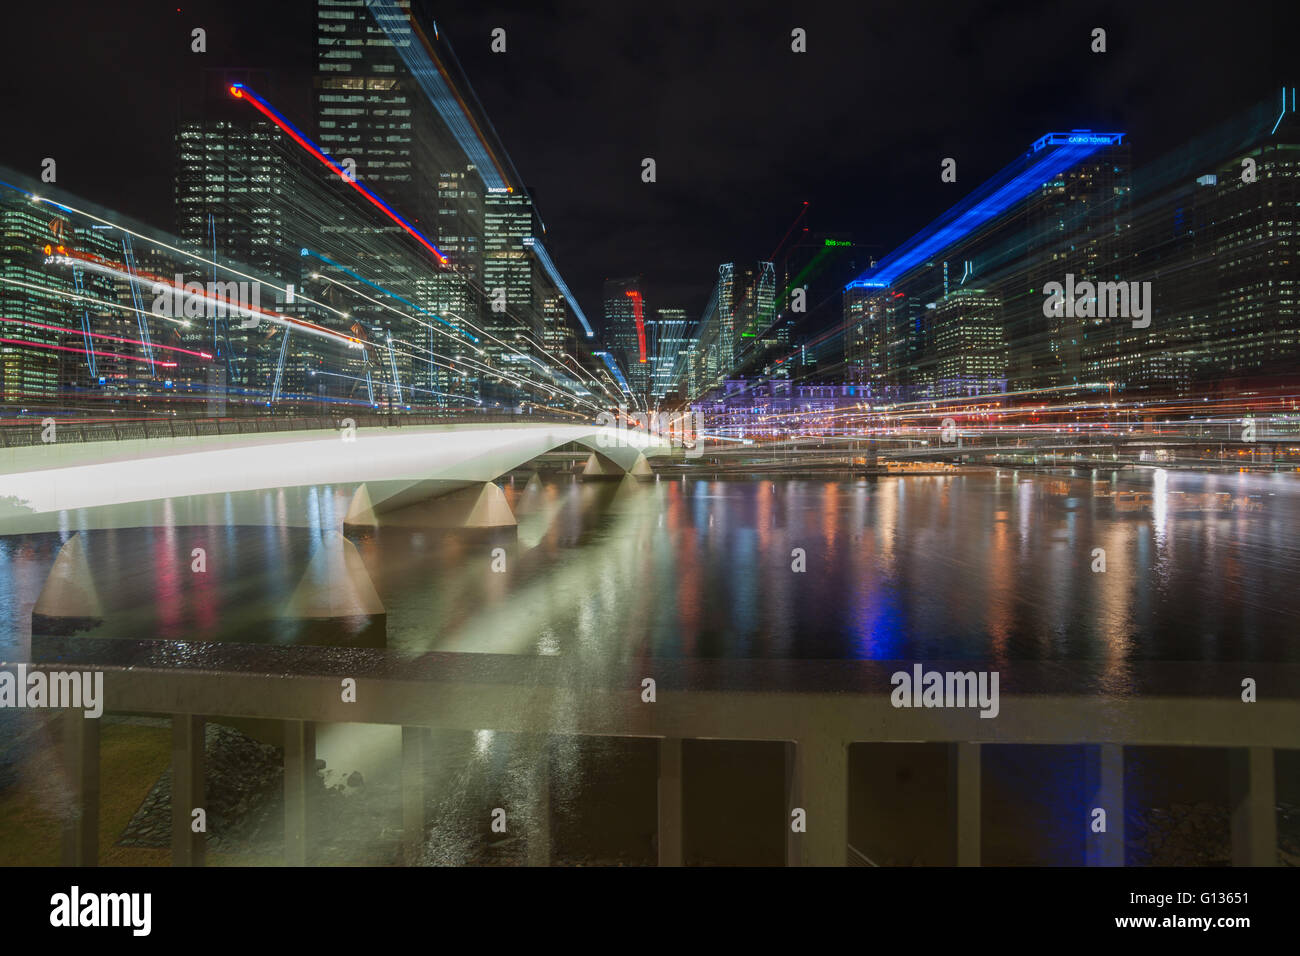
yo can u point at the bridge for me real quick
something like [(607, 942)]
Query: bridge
[(389, 469), (866, 452)]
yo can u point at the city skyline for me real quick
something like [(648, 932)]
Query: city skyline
[(979, 135), (574, 433)]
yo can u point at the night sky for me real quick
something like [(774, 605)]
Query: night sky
[(742, 129)]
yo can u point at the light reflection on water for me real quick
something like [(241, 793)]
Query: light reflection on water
[(988, 566), (923, 568)]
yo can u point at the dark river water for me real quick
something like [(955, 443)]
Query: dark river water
[(985, 566), (982, 566)]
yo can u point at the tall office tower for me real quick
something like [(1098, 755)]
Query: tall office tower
[(556, 331), (754, 299), (231, 181), (369, 108), (508, 313), (746, 315), (373, 118), (1255, 325), (970, 354), (184, 381), (909, 328), (49, 358), (30, 319), (1214, 228), (458, 296), (1078, 224), (228, 175), (625, 331), (392, 97), (867, 329), (714, 354), (668, 332), (1172, 246), (692, 377), (728, 335)]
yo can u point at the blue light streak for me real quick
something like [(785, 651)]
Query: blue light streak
[(544, 258), (313, 147), (374, 285), (984, 205), (617, 372), (394, 23), (1283, 113)]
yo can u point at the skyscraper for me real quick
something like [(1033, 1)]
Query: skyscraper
[(369, 107), (458, 293), (51, 351), (509, 315), (1061, 208), (970, 354), (625, 331), (669, 335)]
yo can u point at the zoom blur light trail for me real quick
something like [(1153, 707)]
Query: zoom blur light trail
[(635, 296), (242, 92), (68, 348), (110, 338), (374, 285), (61, 255)]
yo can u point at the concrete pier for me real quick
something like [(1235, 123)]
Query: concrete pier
[(1254, 806), (69, 601), (414, 742), (1106, 787), (336, 584), (477, 507), (821, 771), (600, 467)]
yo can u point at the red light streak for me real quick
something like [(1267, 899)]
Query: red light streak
[(111, 338), (239, 94), (171, 284), (65, 348), (640, 321)]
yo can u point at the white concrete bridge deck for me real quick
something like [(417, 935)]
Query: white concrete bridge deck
[(397, 465)]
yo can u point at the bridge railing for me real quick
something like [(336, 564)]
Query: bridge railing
[(22, 434), (817, 709)]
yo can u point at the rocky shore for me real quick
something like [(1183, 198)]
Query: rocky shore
[(353, 823)]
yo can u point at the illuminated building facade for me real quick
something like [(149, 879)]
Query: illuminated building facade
[(668, 334), (509, 317), (1061, 208), (368, 106), (54, 344), (625, 330), (1197, 251), (970, 354)]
